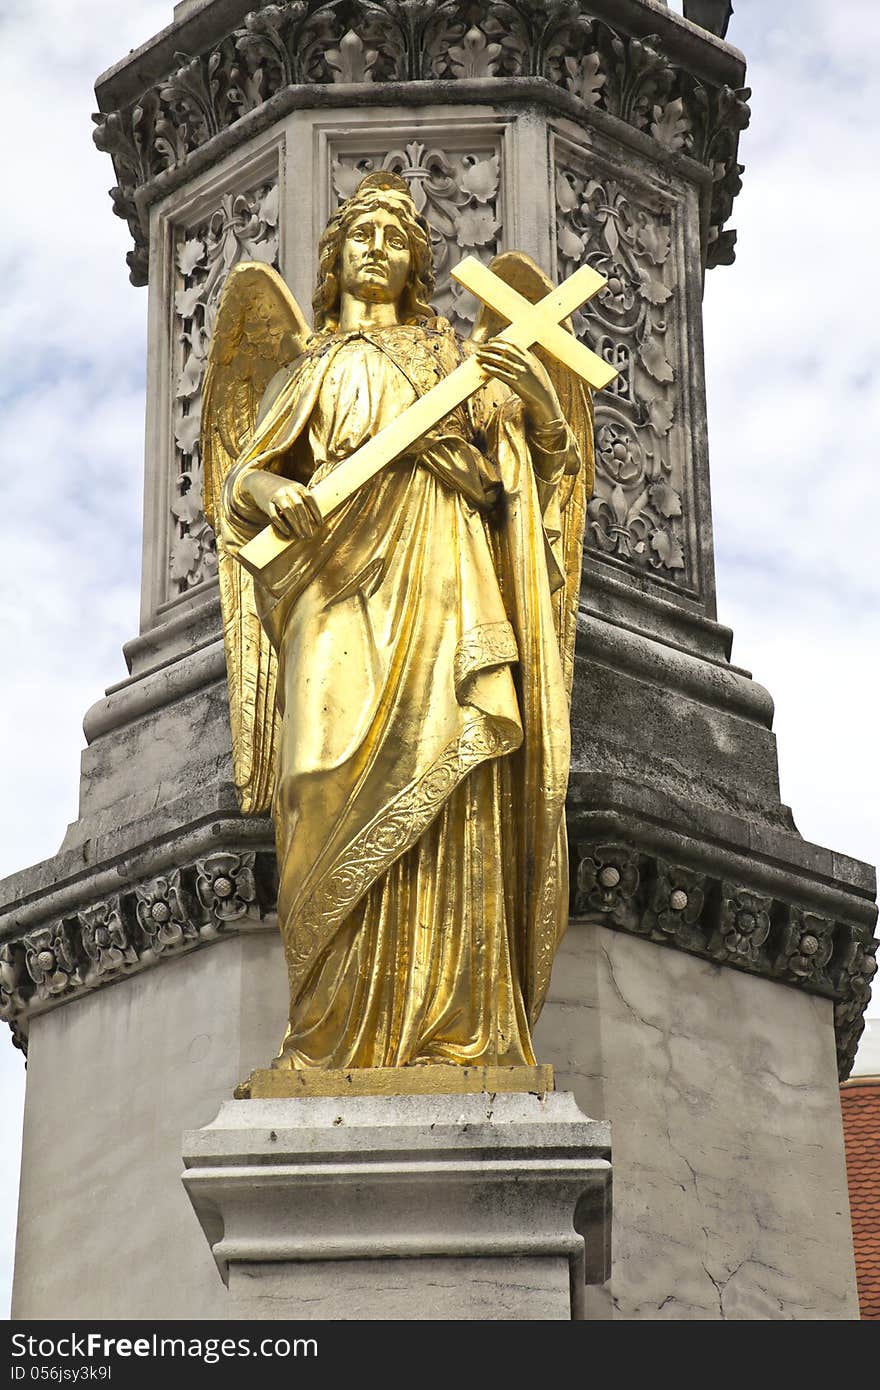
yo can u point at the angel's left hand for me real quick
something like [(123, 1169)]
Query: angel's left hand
[(525, 374)]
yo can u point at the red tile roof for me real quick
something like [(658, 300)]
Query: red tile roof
[(860, 1102)]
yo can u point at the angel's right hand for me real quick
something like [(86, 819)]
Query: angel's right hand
[(293, 511)]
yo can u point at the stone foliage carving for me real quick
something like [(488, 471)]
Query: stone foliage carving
[(16, 988), (743, 925), (806, 947), (675, 906), (280, 45), (458, 191), (241, 226), (615, 885), (856, 970), (635, 517)]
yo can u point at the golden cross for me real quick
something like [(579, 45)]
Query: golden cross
[(529, 324)]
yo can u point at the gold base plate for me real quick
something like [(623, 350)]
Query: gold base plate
[(436, 1079)]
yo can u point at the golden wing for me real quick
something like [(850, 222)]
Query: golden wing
[(522, 274), (258, 329)]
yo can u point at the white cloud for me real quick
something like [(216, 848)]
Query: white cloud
[(791, 349), (72, 347), (791, 354)]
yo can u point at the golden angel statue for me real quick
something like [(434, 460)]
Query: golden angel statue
[(399, 693)]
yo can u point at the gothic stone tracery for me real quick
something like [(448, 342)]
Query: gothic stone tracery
[(280, 46), (636, 517), (458, 191), (242, 226)]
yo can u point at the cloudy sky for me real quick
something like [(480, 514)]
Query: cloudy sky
[(791, 351)]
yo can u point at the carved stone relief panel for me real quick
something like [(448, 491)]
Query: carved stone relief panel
[(456, 180), (639, 518), (239, 226)]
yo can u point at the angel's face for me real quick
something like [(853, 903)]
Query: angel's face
[(375, 259)]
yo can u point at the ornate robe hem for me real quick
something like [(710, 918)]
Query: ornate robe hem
[(396, 828)]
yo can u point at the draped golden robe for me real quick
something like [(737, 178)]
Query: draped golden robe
[(423, 748)]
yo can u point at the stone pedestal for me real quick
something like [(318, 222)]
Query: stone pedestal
[(417, 1207)]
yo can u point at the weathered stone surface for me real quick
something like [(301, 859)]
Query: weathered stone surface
[(448, 1289), (152, 741), (105, 1229), (730, 1197)]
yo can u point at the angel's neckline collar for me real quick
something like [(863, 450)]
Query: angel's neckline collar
[(382, 331)]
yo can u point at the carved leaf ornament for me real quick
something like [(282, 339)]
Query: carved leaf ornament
[(242, 227), (636, 514), (364, 41), (458, 194)]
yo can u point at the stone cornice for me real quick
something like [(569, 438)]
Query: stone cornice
[(107, 926), (692, 46), (201, 81)]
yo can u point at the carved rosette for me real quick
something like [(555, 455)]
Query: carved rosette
[(163, 917), (675, 907), (243, 226), (282, 46), (105, 939), (458, 192), (635, 517), (607, 883), (807, 945), (52, 960), (743, 925), (226, 887)]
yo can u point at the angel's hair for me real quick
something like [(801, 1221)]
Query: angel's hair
[(389, 191)]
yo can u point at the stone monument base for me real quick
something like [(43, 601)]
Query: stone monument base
[(419, 1207), (439, 1078)]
